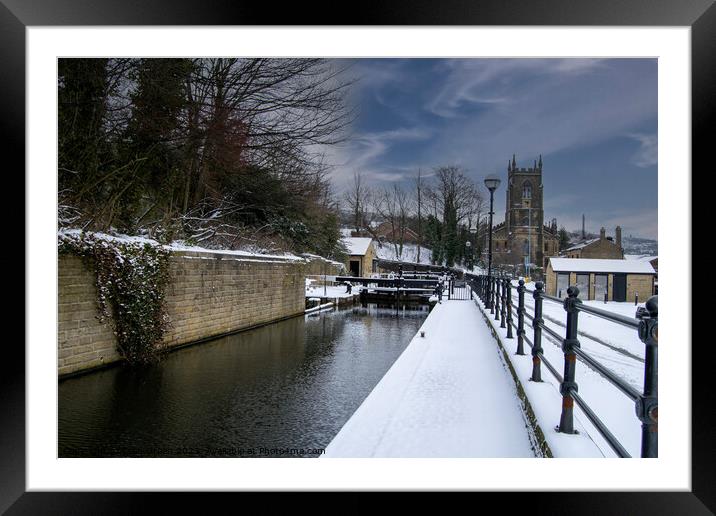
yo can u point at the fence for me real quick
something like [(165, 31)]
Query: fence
[(496, 296)]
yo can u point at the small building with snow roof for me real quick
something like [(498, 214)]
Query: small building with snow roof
[(361, 255), (619, 279)]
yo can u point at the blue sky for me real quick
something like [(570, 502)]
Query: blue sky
[(593, 120)]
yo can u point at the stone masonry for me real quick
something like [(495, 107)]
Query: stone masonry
[(209, 294)]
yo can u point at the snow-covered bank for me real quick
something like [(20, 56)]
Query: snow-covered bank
[(447, 395), (613, 345)]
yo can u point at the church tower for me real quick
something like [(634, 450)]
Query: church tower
[(524, 212)]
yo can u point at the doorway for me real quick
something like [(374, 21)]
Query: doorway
[(620, 287)]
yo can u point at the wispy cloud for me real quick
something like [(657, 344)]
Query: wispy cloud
[(647, 154), (475, 81), (363, 153)]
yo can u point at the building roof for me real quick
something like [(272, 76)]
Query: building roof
[(357, 245), (601, 265), (640, 257), (582, 244)]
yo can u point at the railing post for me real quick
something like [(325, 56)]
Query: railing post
[(648, 404), (569, 344), (537, 340), (491, 294), (497, 299), (503, 301), (521, 317), (490, 304), (636, 298), (509, 308)]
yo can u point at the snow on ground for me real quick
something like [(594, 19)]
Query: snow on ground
[(615, 346), (447, 395), (386, 251), (330, 291)]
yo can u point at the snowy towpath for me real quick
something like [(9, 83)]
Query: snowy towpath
[(448, 395)]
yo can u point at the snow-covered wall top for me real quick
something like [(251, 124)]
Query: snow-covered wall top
[(188, 250)]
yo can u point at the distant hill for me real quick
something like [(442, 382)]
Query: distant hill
[(636, 245), (631, 244)]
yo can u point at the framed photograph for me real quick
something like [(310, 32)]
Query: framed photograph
[(613, 101)]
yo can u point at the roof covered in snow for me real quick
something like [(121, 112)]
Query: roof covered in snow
[(357, 245), (582, 244), (640, 257), (601, 265)]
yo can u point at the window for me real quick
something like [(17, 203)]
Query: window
[(600, 286), (583, 286), (562, 284), (527, 191)]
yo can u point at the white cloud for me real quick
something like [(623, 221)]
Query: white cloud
[(474, 81), (362, 153), (647, 155)]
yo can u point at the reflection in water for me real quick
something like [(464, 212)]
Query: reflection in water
[(282, 390)]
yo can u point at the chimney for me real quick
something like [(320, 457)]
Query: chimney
[(618, 233), (602, 234), (584, 234)]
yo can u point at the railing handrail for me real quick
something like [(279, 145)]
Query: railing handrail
[(618, 382), (598, 312), (497, 291)]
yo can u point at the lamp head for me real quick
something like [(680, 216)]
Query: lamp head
[(492, 182)]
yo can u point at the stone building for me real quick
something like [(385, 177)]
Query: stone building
[(384, 231), (524, 234), (602, 247), (620, 280), (361, 255)]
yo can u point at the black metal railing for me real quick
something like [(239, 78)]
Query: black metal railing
[(495, 293)]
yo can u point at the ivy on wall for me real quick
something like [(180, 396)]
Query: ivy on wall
[(131, 278)]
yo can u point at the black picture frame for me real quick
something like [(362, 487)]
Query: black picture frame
[(16, 15)]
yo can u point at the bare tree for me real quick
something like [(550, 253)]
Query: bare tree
[(393, 206), (204, 146), (359, 201), (454, 199), (419, 205)]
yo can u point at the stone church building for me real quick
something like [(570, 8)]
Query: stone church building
[(524, 233)]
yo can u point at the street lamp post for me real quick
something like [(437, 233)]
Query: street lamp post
[(468, 251), (491, 182)]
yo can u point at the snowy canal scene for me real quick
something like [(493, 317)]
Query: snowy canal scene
[(320, 259)]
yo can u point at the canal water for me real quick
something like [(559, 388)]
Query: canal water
[(283, 390)]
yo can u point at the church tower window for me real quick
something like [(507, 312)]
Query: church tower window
[(527, 191)]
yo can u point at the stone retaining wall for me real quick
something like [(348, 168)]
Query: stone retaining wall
[(209, 294)]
